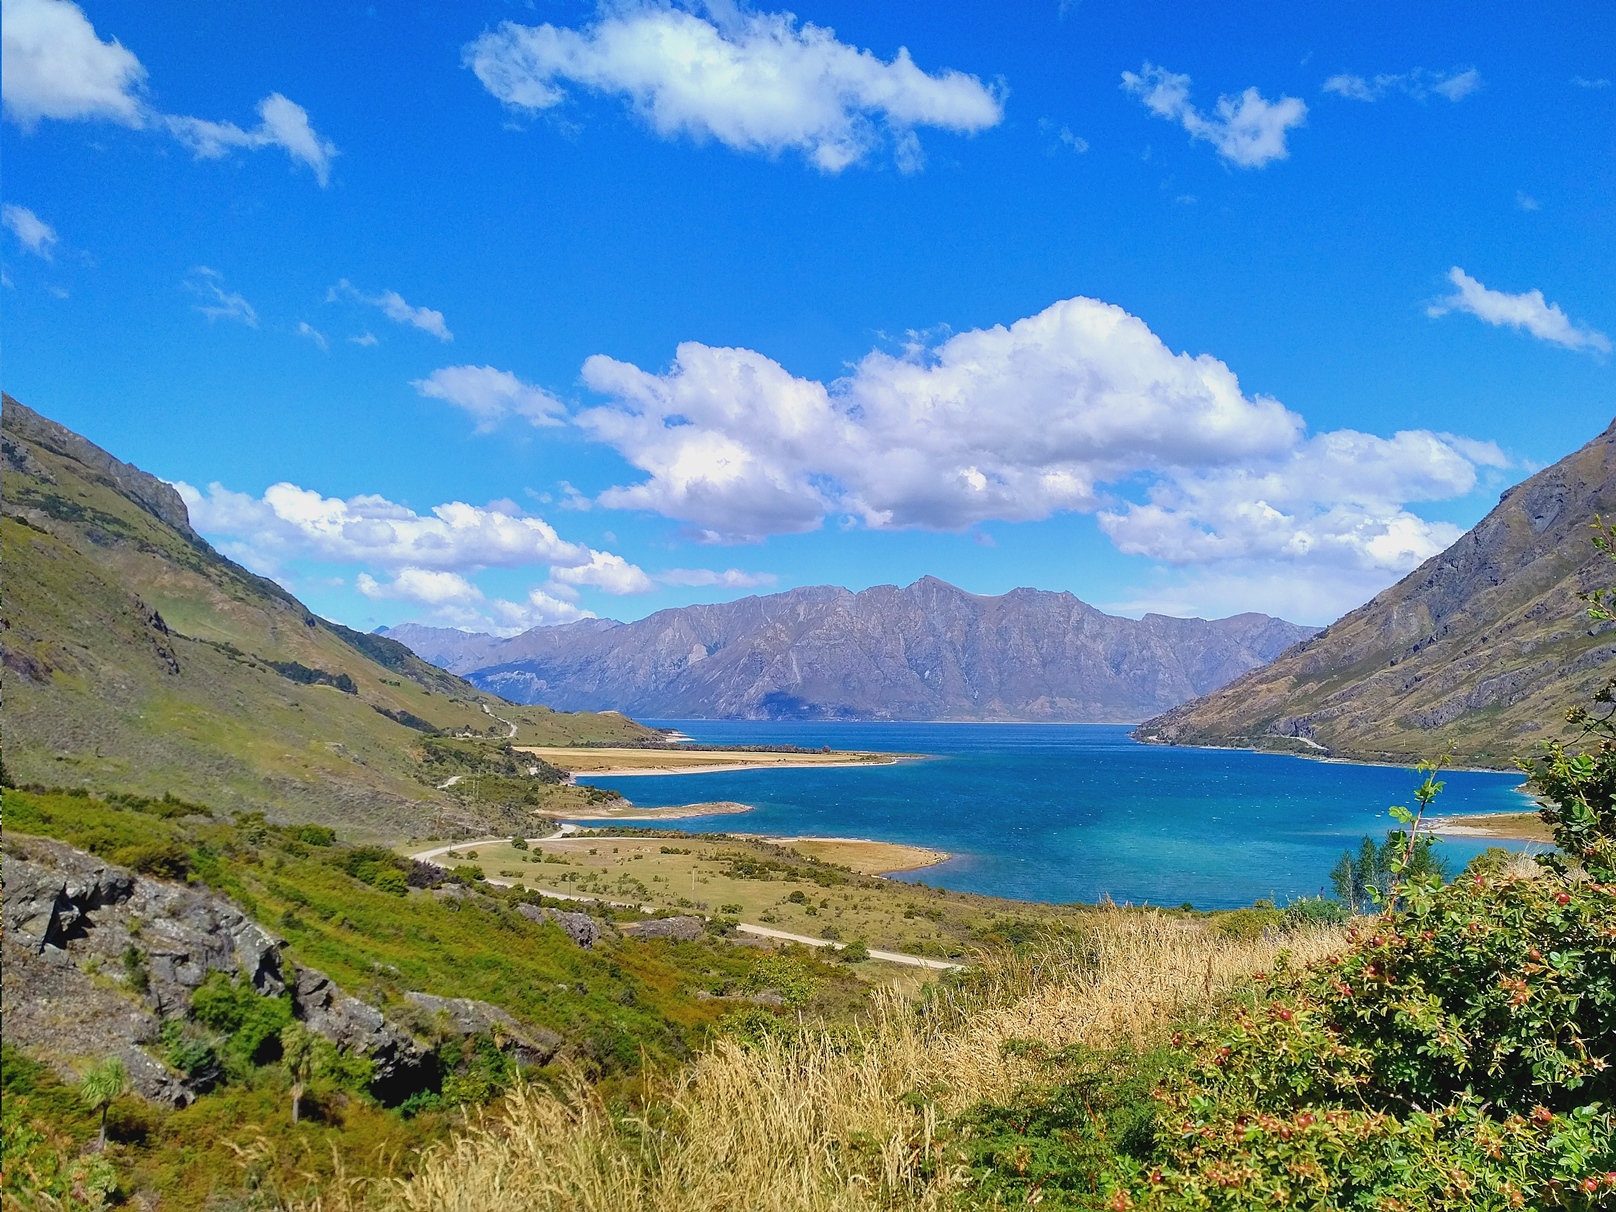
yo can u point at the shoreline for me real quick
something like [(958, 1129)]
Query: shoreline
[(722, 767), (666, 812), (1499, 826)]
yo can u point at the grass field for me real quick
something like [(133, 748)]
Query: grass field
[(808, 887)]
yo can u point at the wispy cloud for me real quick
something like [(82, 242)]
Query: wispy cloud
[(1454, 85), (1063, 137), (394, 307), (54, 66), (1527, 311), (491, 396), (755, 82), (217, 302), (305, 329), (1526, 201), (1247, 130), (32, 232), (1585, 82)]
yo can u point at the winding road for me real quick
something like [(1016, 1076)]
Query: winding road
[(891, 957)]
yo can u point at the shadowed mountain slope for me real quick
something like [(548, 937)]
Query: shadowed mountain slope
[(928, 651), (1477, 652), (137, 658)]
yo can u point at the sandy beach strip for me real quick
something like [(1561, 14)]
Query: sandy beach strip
[(624, 763), (629, 812), (1504, 826), (863, 855)]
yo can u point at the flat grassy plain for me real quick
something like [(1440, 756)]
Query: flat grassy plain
[(787, 886)]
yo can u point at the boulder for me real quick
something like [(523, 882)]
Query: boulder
[(465, 1016), (400, 1066), (582, 929), (682, 929)]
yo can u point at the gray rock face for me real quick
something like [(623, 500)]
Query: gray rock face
[(400, 1065), (927, 651), (530, 1046), (681, 929), (57, 897), (68, 915), (579, 927)]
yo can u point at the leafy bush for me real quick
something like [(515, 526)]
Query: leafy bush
[(251, 1022), (163, 860), (316, 835)]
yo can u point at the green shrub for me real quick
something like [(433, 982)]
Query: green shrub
[(316, 835), (163, 860), (251, 1022), (856, 952)]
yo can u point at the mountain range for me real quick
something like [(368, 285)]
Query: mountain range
[(926, 651), (1476, 653), (138, 659)]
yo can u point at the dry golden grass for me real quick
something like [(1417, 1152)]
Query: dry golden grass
[(822, 1124)]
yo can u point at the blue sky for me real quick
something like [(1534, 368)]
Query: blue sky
[(492, 315)]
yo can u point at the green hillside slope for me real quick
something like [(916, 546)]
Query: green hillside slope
[(1477, 652), (138, 658)]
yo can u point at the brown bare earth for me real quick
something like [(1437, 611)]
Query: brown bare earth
[(601, 762), (1506, 826)]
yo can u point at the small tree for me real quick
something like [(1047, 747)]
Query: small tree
[(298, 1054), (101, 1087)]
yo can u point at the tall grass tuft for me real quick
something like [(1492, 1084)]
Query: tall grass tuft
[(822, 1121)]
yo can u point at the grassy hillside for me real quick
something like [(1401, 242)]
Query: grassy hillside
[(138, 658), (1476, 653)]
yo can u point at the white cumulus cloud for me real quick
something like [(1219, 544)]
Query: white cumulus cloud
[(1247, 130), (605, 571), (1078, 408), (491, 395), (290, 522), (1010, 423), (394, 307), (1527, 310), (54, 65), (1419, 84), (32, 232), (756, 82), (451, 600)]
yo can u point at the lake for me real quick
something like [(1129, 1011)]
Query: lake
[(1073, 812)]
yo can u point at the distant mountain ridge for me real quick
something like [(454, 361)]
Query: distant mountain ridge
[(1478, 652), (927, 651)]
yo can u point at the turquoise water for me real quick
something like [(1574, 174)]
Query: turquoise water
[(1064, 812)]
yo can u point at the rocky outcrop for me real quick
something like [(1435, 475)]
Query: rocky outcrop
[(928, 651), (531, 1046), (582, 929), (399, 1065), (157, 497), (1478, 652), (680, 929), (96, 957), (69, 917)]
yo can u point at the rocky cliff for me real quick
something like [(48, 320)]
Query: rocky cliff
[(97, 958), (927, 651), (1477, 652)]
